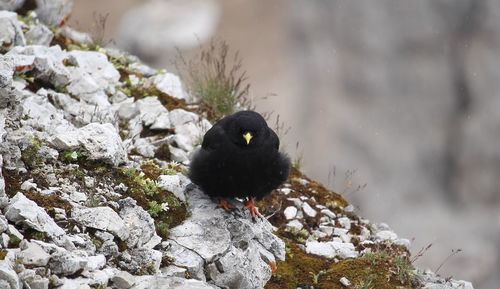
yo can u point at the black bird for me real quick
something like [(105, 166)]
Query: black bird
[(239, 158)]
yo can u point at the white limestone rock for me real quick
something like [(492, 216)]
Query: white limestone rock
[(98, 141), (308, 210), (147, 282), (344, 281), (7, 273), (175, 184), (140, 261), (180, 116), (290, 212), (39, 34), (331, 249), (22, 210), (48, 63), (170, 84), (11, 33), (32, 254), (138, 222), (53, 12), (66, 263), (295, 224), (123, 280), (77, 283), (150, 109), (188, 259), (385, 235), (231, 270), (101, 218)]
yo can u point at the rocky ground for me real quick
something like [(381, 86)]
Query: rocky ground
[(94, 147)]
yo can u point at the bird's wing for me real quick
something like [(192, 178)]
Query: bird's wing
[(274, 139), (213, 137)]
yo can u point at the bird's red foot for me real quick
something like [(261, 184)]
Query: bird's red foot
[(273, 266), (254, 211), (225, 204)]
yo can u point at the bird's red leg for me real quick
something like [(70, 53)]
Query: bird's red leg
[(254, 211), (225, 204)]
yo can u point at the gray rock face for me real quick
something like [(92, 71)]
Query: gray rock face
[(11, 35), (91, 75), (138, 222), (175, 184), (228, 245), (141, 261), (27, 212), (66, 263), (101, 218), (39, 35), (431, 281), (186, 258), (7, 273), (123, 280), (47, 63), (171, 283), (98, 141), (2, 181), (53, 12), (33, 254), (170, 84)]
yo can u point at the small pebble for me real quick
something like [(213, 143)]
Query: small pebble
[(308, 210), (290, 212), (344, 281)]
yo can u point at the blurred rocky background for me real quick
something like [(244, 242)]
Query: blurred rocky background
[(403, 96)]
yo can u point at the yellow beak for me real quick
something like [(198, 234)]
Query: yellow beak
[(248, 136)]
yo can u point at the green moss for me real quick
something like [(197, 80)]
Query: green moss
[(49, 202), (30, 155), (3, 254), (36, 235), (379, 270), (162, 228), (97, 242), (13, 241)]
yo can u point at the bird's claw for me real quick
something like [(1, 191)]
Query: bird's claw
[(225, 204), (254, 211), (273, 266)]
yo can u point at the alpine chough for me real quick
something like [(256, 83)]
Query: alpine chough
[(239, 158)]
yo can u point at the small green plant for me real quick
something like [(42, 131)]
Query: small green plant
[(150, 187), (13, 241), (154, 209), (215, 80), (367, 283), (162, 228), (172, 168), (30, 155), (129, 172), (71, 156), (162, 205), (97, 242), (316, 276), (41, 236)]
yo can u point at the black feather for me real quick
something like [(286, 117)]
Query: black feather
[(226, 166)]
